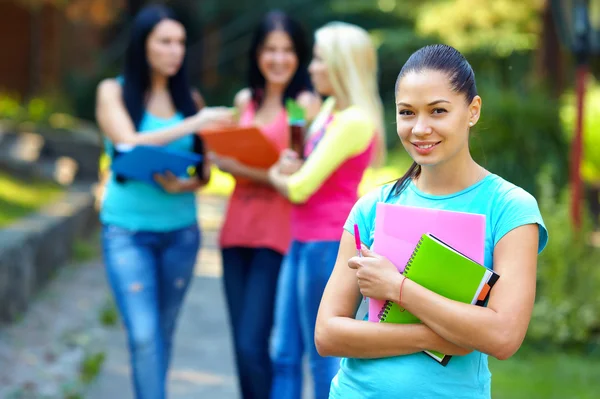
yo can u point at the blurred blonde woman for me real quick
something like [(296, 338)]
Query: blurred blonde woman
[(346, 137)]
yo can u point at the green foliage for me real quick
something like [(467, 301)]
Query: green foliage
[(519, 135), (590, 167), (91, 366), (84, 251), (532, 374), (502, 26), (567, 310), (51, 111), (109, 315), (18, 198)]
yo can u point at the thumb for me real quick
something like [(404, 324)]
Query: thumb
[(367, 253), (170, 175), (289, 154)]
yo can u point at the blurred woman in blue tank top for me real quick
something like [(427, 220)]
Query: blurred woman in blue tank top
[(150, 233)]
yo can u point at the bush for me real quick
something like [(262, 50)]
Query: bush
[(567, 310), (519, 135), (590, 167), (48, 111)]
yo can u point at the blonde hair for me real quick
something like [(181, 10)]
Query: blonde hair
[(351, 60)]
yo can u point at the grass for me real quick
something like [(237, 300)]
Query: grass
[(85, 250), (397, 162), (19, 198), (91, 366), (109, 315), (531, 375)]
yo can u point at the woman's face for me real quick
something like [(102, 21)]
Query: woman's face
[(165, 47), (319, 74), (277, 59), (433, 120)]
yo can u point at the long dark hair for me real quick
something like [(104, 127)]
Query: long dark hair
[(136, 72), (442, 58), (272, 21)]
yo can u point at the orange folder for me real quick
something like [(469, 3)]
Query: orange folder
[(246, 144)]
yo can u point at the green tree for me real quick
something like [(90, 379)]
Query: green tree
[(498, 26)]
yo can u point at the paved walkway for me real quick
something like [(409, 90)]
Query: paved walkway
[(40, 355), (203, 358)]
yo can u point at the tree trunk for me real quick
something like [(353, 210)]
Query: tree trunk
[(550, 60), (35, 52)]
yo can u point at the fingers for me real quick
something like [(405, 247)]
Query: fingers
[(222, 116), (170, 176), (354, 263), (160, 180), (367, 253), (288, 154)]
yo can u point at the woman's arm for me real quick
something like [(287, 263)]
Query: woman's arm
[(198, 99), (256, 174), (348, 135), (242, 98), (234, 167), (115, 122), (311, 103), (174, 185), (339, 334), (499, 328)]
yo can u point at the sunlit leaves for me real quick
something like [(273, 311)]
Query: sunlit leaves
[(500, 26)]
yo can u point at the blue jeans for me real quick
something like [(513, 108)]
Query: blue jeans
[(305, 272), (250, 279), (149, 274)]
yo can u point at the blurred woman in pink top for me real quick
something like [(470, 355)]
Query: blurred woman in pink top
[(256, 232)]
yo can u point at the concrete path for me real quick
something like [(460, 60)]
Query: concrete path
[(40, 355), (203, 358)]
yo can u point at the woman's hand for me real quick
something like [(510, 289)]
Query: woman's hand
[(289, 162), (171, 183), (214, 118), (377, 277), (225, 164)]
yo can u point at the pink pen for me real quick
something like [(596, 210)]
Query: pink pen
[(358, 246), (357, 240)]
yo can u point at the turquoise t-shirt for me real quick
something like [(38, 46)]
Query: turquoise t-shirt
[(139, 206), (417, 376)]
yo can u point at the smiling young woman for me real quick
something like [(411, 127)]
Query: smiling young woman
[(437, 103)]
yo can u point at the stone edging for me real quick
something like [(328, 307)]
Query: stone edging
[(32, 249)]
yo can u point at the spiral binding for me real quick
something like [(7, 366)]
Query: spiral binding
[(382, 315)]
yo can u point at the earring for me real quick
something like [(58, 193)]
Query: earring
[(470, 123)]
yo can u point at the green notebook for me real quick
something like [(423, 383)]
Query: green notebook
[(440, 268)]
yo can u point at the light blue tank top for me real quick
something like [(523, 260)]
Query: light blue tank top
[(140, 206)]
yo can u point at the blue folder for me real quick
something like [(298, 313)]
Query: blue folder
[(143, 162)]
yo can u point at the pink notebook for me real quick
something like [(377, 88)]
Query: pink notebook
[(398, 229)]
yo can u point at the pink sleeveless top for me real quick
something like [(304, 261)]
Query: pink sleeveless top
[(257, 215)]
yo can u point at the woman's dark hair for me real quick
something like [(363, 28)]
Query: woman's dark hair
[(442, 58), (136, 73), (273, 21)]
